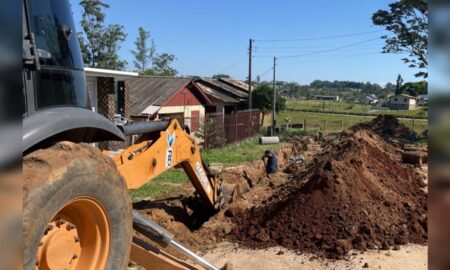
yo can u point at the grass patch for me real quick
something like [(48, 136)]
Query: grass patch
[(167, 182), (246, 150), (332, 122), (162, 184), (347, 107)]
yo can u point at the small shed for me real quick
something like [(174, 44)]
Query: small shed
[(402, 102)]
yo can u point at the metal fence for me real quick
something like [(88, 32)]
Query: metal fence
[(417, 125), (231, 127)]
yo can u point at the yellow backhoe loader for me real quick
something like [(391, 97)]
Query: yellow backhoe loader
[(77, 214)]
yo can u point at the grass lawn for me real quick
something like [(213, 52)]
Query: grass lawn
[(330, 122), (169, 181), (246, 150), (347, 107)]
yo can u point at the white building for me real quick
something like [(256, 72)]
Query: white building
[(402, 102)]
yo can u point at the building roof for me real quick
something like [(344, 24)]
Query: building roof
[(241, 85), (150, 92), (225, 88), (99, 72), (371, 97), (212, 92)]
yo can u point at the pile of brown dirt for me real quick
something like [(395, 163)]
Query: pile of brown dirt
[(387, 126), (357, 194), (196, 227)]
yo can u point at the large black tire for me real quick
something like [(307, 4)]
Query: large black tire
[(66, 171)]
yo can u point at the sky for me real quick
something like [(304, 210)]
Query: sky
[(320, 39)]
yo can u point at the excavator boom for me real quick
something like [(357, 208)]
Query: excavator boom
[(161, 150), (162, 146)]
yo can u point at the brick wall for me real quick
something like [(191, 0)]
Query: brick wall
[(107, 107)]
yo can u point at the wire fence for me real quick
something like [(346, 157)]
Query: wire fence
[(417, 125), (217, 129)]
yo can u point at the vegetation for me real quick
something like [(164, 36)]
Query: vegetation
[(398, 85), (407, 20), (246, 150), (144, 53), (212, 134), (168, 182), (415, 88), (162, 184), (334, 122), (162, 65), (350, 108), (99, 43), (218, 76)]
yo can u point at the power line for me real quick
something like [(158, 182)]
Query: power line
[(265, 72), (327, 60), (300, 50), (319, 38), (331, 49), (232, 65)]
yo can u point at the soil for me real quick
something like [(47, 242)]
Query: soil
[(352, 192), (357, 194), (387, 126), (411, 257)]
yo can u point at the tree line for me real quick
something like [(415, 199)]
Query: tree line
[(100, 44)]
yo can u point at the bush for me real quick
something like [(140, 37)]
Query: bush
[(212, 134)]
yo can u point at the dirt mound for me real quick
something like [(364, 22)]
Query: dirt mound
[(357, 194), (196, 227), (387, 126)]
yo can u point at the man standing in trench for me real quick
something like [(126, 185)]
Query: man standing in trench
[(271, 163)]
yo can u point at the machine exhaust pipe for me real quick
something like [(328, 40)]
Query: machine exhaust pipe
[(137, 128)]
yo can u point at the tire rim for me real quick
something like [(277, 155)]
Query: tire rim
[(77, 238)]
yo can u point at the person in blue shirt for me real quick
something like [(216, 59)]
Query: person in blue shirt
[(271, 163)]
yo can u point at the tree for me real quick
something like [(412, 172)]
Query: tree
[(415, 88), (99, 43), (143, 54), (398, 85), (390, 87), (262, 98), (162, 64), (408, 21), (218, 76)]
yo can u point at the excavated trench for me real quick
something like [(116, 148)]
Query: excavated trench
[(352, 192)]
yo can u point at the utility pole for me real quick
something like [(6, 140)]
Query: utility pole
[(272, 130), (250, 54)]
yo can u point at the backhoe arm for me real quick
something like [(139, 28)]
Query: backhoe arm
[(159, 151)]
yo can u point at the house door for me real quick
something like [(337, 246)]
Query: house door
[(195, 120)]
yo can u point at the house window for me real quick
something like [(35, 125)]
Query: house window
[(395, 99), (405, 100)]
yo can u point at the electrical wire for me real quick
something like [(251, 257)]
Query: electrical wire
[(234, 64), (331, 49), (319, 38)]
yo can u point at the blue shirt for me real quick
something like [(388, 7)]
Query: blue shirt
[(272, 164)]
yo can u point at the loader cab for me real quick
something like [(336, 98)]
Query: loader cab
[(54, 85), (54, 76)]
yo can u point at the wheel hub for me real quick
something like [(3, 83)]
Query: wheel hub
[(60, 246), (77, 238)]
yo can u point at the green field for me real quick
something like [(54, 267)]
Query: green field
[(347, 107), (168, 182), (334, 122)]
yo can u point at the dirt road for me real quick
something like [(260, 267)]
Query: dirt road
[(412, 257)]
